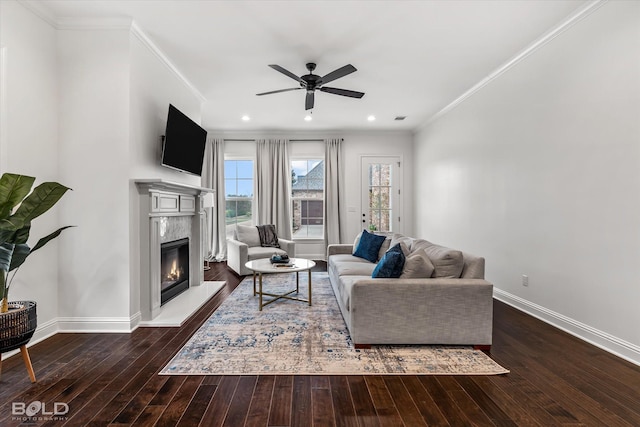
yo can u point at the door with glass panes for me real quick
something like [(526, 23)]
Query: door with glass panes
[(381, 193)]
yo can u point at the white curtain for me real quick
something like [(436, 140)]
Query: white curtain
[(213, 177), (273, 185), (333, 183)]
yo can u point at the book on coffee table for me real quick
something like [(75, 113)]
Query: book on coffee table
[(287, 265)]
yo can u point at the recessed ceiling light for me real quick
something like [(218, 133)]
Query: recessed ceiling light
[(371, 118), (308, 118), (246, 118)]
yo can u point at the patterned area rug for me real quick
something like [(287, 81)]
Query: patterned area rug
[(290, 337)]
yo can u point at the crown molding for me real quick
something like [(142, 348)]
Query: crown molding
[(39, 9), (547, 37), (146, 41), (114, 23), (88, 23)]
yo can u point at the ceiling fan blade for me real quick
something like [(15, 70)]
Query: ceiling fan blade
[(340, 72), (288, 73), (308, 104), (278, 91), (343, 92)]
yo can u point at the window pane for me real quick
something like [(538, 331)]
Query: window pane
[(245, 187), (245, 168), (230, 187), (307, 178), (385, 174), (230, 169), (297, 215), (238, 183)]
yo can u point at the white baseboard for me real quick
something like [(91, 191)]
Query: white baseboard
[(603, 340), (96, 324)]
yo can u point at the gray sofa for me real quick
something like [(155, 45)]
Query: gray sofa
[(440, 309)]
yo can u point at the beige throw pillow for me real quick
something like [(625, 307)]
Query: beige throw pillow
[(248, 234), (405, 243), (417, 266), (448, 263)]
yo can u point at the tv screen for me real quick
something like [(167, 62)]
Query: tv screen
[(184, 143)]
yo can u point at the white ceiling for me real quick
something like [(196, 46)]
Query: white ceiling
[(413, 57)]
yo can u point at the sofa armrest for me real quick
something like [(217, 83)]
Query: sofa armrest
[(341, 248), (444, 311), (289, 246), (237, 255)]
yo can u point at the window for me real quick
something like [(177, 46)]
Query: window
[(238, 187), (307, 196)]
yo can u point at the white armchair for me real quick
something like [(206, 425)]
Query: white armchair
[(246, 247)]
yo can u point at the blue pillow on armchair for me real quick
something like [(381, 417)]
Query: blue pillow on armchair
[(391, 264), (369, 246)]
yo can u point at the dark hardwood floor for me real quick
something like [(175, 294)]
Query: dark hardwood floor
[(111, 379)]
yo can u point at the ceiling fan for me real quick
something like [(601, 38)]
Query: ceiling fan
[(311, 82)]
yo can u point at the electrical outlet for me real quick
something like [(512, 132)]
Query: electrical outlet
[(525, 280)]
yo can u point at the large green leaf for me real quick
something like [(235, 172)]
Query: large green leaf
[(8, 230), (13, 189), (20, 253), (41, 199), (22, 235), (51, 236), (6, 252)]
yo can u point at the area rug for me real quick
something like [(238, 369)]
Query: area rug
[(292, 338)]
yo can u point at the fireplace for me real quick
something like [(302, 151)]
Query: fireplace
[(174, 269)]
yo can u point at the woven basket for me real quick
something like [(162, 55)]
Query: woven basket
[(17, 325)]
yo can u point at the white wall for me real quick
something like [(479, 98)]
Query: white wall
[(29, 144), (94, 160), (356, 144), (539, 172)]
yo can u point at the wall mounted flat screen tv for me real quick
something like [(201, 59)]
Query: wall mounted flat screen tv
[(184, 143)]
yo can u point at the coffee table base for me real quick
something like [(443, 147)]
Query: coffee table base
[(276, 297)]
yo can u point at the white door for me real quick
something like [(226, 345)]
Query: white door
[(381, 194)]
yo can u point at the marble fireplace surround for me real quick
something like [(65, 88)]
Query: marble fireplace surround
[(168, 211)]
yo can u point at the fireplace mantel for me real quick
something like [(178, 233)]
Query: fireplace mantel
[(162, 201), (171, 186)]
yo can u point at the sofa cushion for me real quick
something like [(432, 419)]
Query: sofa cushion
[(391, 264), (405, 243), (419, 245), (354, 268), (417, 266), (369, 246), (258, 252), (347, 258), (447, 262), (248, 234)]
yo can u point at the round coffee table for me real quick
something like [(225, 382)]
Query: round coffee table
[(264, 266)]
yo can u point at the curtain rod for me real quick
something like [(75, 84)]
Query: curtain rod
[(291, 140)]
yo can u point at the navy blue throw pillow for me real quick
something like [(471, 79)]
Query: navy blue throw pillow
[(369, 246), (391, 264)]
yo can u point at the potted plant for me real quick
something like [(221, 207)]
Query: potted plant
[(18, 207)]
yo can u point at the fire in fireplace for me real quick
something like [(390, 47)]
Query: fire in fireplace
[(174, 269)]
